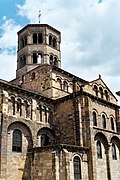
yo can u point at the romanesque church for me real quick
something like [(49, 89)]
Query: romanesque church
[(53, 124)]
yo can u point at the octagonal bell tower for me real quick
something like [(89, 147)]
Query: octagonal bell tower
[(37, 44)]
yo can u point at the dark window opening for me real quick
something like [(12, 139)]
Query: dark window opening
[(22, 42), (114, 155), (104, 121), (40, 38), (96, 90), (19, 109), (112, 124), (55, 62), (51, 59), (65, 86), (101, 92), (24, 61), (77, 168), (99, 150), (26, 109), (21, 60), (33, 76), (34, 38), (94, 119), (17, 141), (34, 58), (54, 43), (106, 95), (45, 141), (50, 40), (25, 40), (40, 109), (13, 105)]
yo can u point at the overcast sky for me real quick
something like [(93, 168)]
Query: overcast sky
[(90, 35)]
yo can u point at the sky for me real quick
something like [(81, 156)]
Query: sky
[(90, 35)]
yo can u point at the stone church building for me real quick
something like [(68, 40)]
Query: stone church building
[(53, 124)]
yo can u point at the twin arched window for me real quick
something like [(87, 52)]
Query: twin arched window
[(77, 168), (17, 141), (37, 38)]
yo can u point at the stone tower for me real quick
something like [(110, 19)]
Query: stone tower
[(37, 44)]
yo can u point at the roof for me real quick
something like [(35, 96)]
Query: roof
[(69, 74), (38, 25), (23, 90)]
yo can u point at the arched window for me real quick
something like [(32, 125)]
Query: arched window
[(33, 76), (112, 123), (22, 42), (59, 83), (13, 105), (17, 141), (54, 42), (51, 59), (21, 62), (39, 58), (25, 39), (35, 38), (106, 95), (65, 86), (34, 58), (40, 38), (50, 40), (96, 90), (45, 140), (77, 168), (19, 108), (99, 150), (114, 155), (104, 121), (101, 92), (26, 109), (24, 61), (55, 62), (94, 119)]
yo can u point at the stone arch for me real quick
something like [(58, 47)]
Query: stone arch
[(116, 140), (101, 155), (114, 155), (77, 172), (100, 136), (21, 159), (24, 129), (59, 83), (46, 137)]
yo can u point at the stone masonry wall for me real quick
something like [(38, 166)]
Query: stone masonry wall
[(64, 122)]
